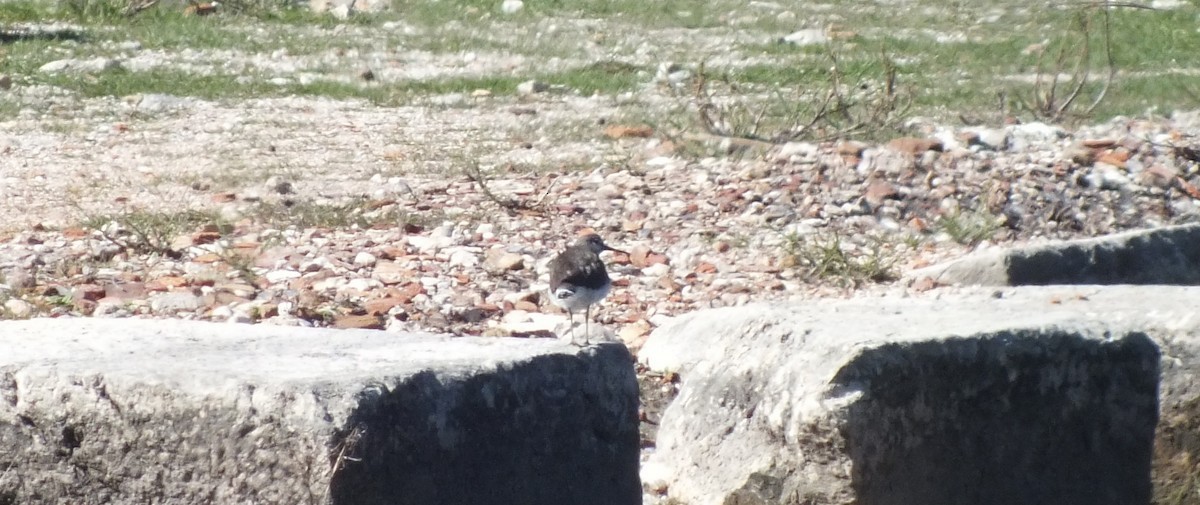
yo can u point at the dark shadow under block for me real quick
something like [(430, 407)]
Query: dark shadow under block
[(443, 440), (1058, 420)]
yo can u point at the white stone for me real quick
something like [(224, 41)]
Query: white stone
[(281, 276), (656, 270), (532, 87), (429, 244), (463, 258), (341, 11), (56, 66), (807, 37), (363, 285), (175, 301), (220, 313), (511, 6), (364, 259), (19, 309)]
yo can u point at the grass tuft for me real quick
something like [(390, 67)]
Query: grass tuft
[(969, 228), (831, 259)]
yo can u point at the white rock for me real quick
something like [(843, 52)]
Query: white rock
[(429, 244), (175, 301), (1167, 4), (363, 285), (364, 259), (96, 65), (511, 6), (807, 37), (656, 270), (108, 307), (519, 321), (994, 139), (486, 230), (239, 318), (660, 161), (531, 87), (314, 266), (1036, 132), (341, 11), (221, 313), (803, 150), (19, 309), (56, 66), (449, 99), (463, 258), (281, 276), (655, 476), (158, 102)]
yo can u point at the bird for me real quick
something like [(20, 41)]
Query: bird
[(578, 279)]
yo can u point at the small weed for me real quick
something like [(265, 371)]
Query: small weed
[(18, 11), (510, 205), (359, 213), (858, 97), (240, 262), (98, 10), (144, 232), (63, 301), (832, 259), (969, 228), (1060, 83), (605, 77)]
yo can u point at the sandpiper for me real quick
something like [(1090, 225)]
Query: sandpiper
[(578, 279)]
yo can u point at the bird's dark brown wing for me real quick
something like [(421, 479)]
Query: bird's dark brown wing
[(577, 267)]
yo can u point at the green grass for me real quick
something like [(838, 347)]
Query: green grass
[(350, 214), (969, 228), (119, 83), (681, 13), (24, 11), (146, 232), (830, 259), (962, 76)]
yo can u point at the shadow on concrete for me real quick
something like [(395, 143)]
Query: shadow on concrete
[(549, 431), (1013, 418)]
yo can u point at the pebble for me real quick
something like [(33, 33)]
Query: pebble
[(281, 276), (532, 87), (499, 261), (175, 301), (511, 6), (18, 309), (364, 259), (463, 258), (806, 37)]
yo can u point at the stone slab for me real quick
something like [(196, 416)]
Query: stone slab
[(983, 396), (96, 411), (1167, 255)]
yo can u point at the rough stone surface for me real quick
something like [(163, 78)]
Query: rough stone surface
[(134, 411), (1168, 255), (1022, 395)]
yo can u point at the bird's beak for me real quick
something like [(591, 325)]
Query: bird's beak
[(607, 248)]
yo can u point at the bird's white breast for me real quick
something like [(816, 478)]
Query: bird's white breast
[(578, 298)]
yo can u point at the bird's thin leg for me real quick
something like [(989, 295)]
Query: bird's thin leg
[(587, 321), (571, 325)]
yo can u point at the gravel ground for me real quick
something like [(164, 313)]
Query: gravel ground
[(428, 246)]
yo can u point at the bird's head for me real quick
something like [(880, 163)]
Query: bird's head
[(596, 244)]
